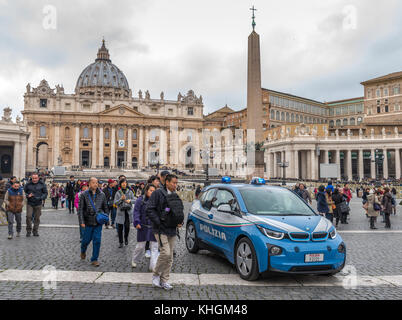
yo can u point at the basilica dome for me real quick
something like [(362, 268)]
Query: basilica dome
[(102, 73)]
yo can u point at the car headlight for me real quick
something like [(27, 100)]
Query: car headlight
[(271, 234), (333, 233)]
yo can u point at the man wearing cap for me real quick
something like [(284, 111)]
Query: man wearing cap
[(109, 193)]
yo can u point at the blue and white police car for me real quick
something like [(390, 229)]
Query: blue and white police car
[(263, 229)]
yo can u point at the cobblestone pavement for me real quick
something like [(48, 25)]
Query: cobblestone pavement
[(371, 253)]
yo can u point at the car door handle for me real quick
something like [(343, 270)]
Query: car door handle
[(210, 216)]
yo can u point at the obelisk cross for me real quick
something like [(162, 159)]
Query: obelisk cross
[(253, 24)]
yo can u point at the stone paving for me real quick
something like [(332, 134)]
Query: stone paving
[(371, 253)]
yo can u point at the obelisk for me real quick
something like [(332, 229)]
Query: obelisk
[(254, 92)]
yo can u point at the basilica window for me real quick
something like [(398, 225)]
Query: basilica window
[(352, 121), (386, 92), (287, 117), (272, 114), (106, 162), (282, 116), (121, 133), (297, 118), (134, 163), (331, 123), (378, 93), (293, 117), (86, 133), (68, 106), (43, 103), (277, 115), (338, 123), (134, 134), (190, 111), (107, 134), (345, 122), (42, 132), (386, 109), (397, 90)]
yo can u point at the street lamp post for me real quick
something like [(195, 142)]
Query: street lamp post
[(377, 160), (207, 154), (283, 165)]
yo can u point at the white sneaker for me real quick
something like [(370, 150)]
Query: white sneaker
[(166, 286), (148, 254), (156, 281), (133, 264)]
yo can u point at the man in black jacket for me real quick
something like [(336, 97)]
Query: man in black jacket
[(166, 236), (91, 202), (70, 192), (36, 193)]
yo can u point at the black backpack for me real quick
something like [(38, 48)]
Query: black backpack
[(173, 214)]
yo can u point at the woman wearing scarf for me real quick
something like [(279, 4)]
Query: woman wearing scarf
[(124, 200)]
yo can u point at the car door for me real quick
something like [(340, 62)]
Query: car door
[(203, 216), (225, 225)]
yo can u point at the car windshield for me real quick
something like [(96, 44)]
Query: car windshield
[(275, 201)]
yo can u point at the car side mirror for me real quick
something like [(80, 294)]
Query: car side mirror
[(225, 208)]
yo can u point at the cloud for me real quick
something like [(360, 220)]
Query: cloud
[(174, 46)]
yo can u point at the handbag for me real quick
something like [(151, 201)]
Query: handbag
[(376, 206), (124, 205), (343, 207), (101, 217)]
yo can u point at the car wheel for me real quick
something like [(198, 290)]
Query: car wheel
[(246, 260), (191, 238)]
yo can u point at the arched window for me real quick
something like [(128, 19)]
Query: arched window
[(287, 117), (345, 122), (331, 123), (293, 117), (134, 134), (278, 116), (42, 132), (282, 116), (352, 121), (107, 134), (86, 133), (297, 118), (121, 133), (338, 122), (272, 115)]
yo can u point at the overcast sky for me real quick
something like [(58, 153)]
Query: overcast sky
[(317, 49)]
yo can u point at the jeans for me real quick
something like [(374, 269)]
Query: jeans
[(33, 215), (71, 205), (10, 220), (93, 234), (113, 210), (82, 231)]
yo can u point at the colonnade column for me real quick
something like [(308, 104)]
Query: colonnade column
[(146, 163), (313, 163), (296, 164), (77, 145), (31, 153), (326, 156), (361, 164), (397, 164), (372, 168), (141, 149), (348, 159), (338, 162), (385, 164), (17, 160)]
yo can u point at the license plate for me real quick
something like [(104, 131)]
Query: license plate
[(314, 257)]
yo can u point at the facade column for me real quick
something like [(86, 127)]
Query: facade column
[(338, 162), (361, 164), (163, 145), (385, 164), (141, 149), (296, 164), (23, 158), (283, 159), (31, 153), (372, 169), (56, 144), (77, 146), (146, 146), (397, 163), (349, 174), (130, 148), (275, 166), (101, 145), (94, 140), (113, 148)]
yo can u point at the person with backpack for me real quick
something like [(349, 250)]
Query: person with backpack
[(124, 200), (387, 203), (14, 202), (322, 204), (91, 212), (166, 212), (144, 230)]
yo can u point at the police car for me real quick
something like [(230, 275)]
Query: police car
[(263, 229)]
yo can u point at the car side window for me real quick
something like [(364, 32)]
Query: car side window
[(224, 197), (207, 198)]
